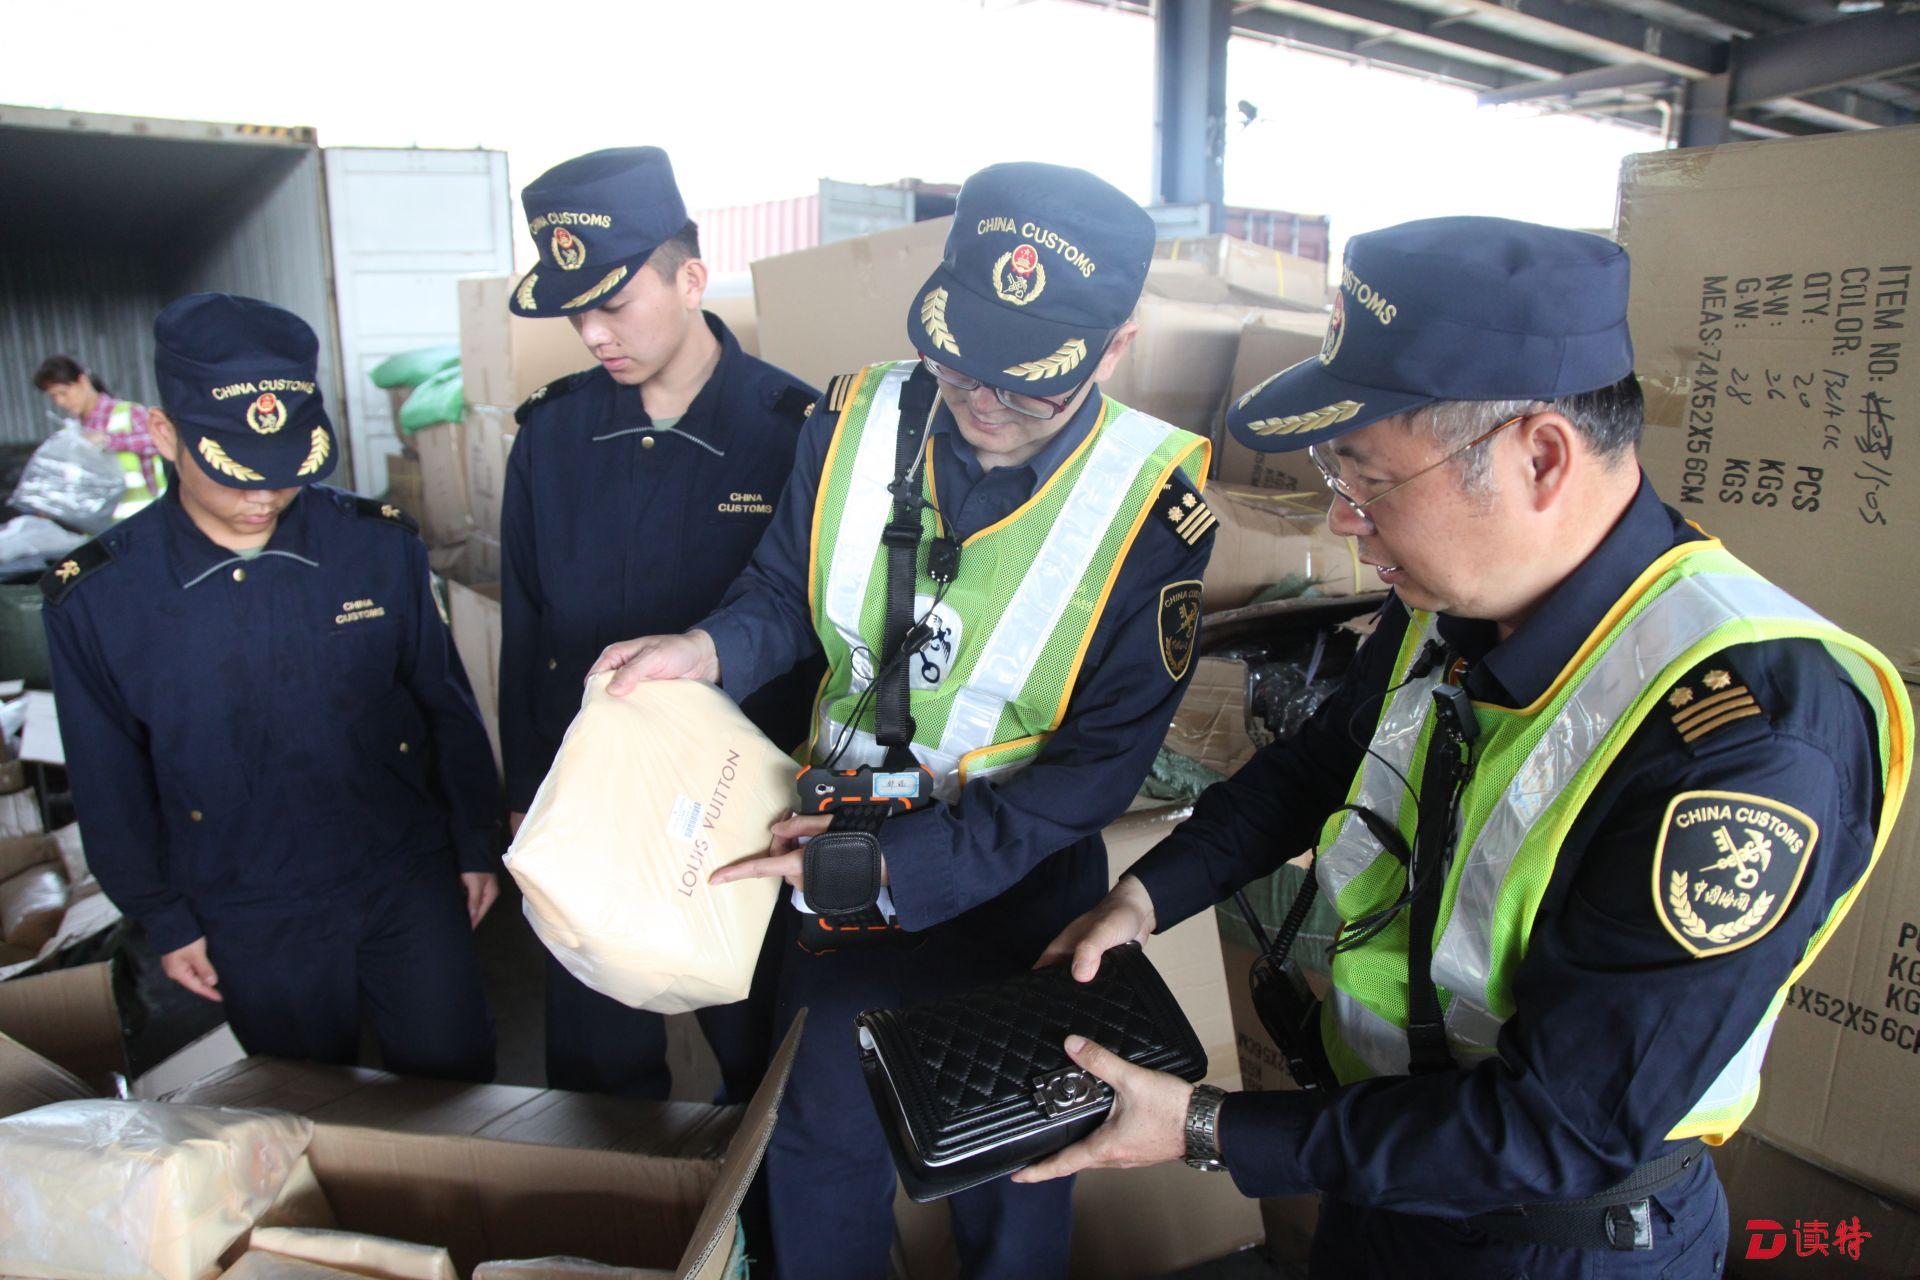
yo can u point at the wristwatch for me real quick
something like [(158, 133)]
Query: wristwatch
[(1203, 1128)]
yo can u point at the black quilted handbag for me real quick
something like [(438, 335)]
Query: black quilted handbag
[(978, 1085)]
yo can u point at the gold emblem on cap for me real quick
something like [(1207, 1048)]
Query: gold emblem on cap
[(266, 414), (217, 459), (524, 294), (569, 251), (1296, 423), (1063, 361), (1336, 329), (317, 455), (607, 282), (68, 569), (933, 318), (1019, 277)]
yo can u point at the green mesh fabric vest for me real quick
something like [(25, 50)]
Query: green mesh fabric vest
[(1535, 769), (1013, 630)]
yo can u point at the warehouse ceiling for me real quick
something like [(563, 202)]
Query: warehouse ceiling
[(1702, 70)]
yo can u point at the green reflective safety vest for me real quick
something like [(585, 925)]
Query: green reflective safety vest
[(1011, 634), (137, 495), (1536, 767)]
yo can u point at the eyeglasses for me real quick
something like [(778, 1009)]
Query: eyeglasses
[(1027, 406), (1328, 462)]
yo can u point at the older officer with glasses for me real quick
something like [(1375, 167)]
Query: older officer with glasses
[(1591, 797), (1046, 670)]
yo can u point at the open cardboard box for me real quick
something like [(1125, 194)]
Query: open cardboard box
[(487, 1171), (498, 1171)]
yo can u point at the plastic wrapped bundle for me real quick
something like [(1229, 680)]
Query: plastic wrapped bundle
[(72, 480), (362, 1255), (138, 1190)]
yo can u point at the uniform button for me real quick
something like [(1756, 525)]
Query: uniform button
[(404, 748), (646, 442), (239, 575), (553, 664), (196, 815)]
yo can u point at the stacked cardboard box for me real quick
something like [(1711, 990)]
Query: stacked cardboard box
[(1191, 314), (1771, 287), (487, 1171)]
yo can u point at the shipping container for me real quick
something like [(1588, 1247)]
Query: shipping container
[(735, 237), (1300, 234), (106, 218)]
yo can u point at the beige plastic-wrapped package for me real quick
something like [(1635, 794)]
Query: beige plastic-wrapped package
[(647, 796), (563, 1269), (31, 906), (362, 1255), (256, 1264), (138, 1190)]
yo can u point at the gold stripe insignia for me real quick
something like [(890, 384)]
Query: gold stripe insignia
[(316, 456), (1190, 518), (933, 318), (607, 282), (1739, 711), (217, 459), (1297, 423), (839, 390), (1065, 360), (1696, 718)]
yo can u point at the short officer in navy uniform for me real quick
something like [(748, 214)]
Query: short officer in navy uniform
[(635, 494), (1053, 659), (1585, 804), (275, 753)]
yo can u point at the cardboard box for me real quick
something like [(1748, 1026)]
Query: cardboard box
[(1269, 342), (1771, 299), (405, 489), (446, 512), (496, 1171), (1844, 1062), (1775, 1204), (1265, 539), (489, 433), (1288, 1221), (474, 617), (1261, 275), (837, 307), (1178, 366), (503, 357), (69, 1018)]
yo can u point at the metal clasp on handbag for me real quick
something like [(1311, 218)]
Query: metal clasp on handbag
[(1070, 1089)]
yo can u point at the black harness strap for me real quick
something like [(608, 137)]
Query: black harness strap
[(892, 716), (1446, 769)]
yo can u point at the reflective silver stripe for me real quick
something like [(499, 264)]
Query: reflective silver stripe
[(1381, 789), (1374, 1040), (1676, 620), (1028, 623), (864, 514), (1740, 1076)]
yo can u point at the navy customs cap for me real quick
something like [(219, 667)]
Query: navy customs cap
[(1043, 263), (595, 219), (1451, 309), (236, 379)]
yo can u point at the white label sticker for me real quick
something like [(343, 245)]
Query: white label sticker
[(685, 819), (896, 786)]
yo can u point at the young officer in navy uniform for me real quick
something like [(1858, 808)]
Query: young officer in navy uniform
[(1053, 662), (635, 494), (1645, 778), (274, 751)]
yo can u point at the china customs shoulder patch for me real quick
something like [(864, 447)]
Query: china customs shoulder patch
[(1179, 625), (1727, 866)]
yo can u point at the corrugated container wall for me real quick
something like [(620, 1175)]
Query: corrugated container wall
[(734, 237)]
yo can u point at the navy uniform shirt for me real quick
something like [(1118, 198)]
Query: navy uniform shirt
[(249, 732), (1617, 1029), (612, 528), (949, 859)]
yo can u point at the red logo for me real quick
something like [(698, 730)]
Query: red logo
[(1812, 1237), (1025, 259)]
